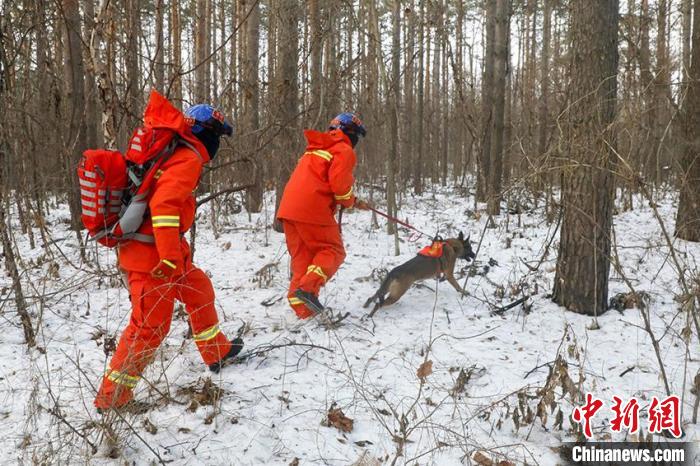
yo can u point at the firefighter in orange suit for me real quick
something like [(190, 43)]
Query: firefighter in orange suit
[(321, 181), (161, 272)]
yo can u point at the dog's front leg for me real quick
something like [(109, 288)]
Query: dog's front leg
[(449, 274)]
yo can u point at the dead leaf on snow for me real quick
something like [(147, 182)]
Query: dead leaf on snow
[(481, 459), (425, 370), (336, 418)]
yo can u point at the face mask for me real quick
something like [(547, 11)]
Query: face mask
[(354, 138), (210, 141)]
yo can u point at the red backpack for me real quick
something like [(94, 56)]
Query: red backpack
[(115, 188)]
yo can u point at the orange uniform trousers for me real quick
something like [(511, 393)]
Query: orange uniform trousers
[(152, 302), (317, 252)]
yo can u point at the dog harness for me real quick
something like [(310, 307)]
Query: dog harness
[(434, 250)]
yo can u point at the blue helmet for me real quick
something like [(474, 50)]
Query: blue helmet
[(349, 123), (204, 116)]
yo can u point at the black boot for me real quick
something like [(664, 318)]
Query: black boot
[(311, 301), (236, 347)]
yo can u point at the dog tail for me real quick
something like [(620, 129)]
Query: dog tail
[(380, 294)]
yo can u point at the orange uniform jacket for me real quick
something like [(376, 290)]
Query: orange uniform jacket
[(321, 181), (172, 204)]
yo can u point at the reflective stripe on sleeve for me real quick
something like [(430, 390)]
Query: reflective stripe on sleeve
[(160, 221), (86, 183), (322, 153), (89, 174), (122, 378), (207, 334), (168, 263), (345, 196)]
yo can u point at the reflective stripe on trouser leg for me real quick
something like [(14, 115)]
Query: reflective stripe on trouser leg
[(122, 378), (327, 254), (300, 260), (299, 308), (197, 293), (152, 311)]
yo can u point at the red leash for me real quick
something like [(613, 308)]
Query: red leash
[(396, 220)]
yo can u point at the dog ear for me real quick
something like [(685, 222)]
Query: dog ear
[(461, 236)]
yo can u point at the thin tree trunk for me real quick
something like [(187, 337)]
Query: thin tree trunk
[(287, 92), (487, 102), (13, 271), (544, 85), (420, 114), (200, 44), (175, 31), (133, 70), (500, 51), (92, 120), (251, 101), (394, 99), (159, 62), (77, 134), (316, 62)]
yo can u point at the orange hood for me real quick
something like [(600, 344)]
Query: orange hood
[(324, 140), (160, 113)]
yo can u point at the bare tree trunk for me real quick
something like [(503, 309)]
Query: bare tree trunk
[(409, 76), (583, 264), (200, 44), (251, 101), (687, 14), (175, 31), (688, 215), (544, 84), (316, 61), (287, 91), (420, 114), (92, 120), (133, 70), (487, 102), (159, 62), (394, 100), (101, 65), (500, 51), (77, 134)]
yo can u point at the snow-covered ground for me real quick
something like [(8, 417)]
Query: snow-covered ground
[(488, 371)]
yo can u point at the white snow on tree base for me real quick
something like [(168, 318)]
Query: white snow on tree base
[(273, 407)]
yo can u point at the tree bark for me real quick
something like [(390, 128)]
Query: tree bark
[(251, 103), (487, 82), (159, 62), (500, 68), (287, 92), (583, 264), (133, 69), (77, 133), (688, 215), (175, 31), (544, 85), (394, 100), (420, 102), (200, 44)]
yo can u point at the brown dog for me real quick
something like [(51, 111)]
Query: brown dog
[(400, 279)]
